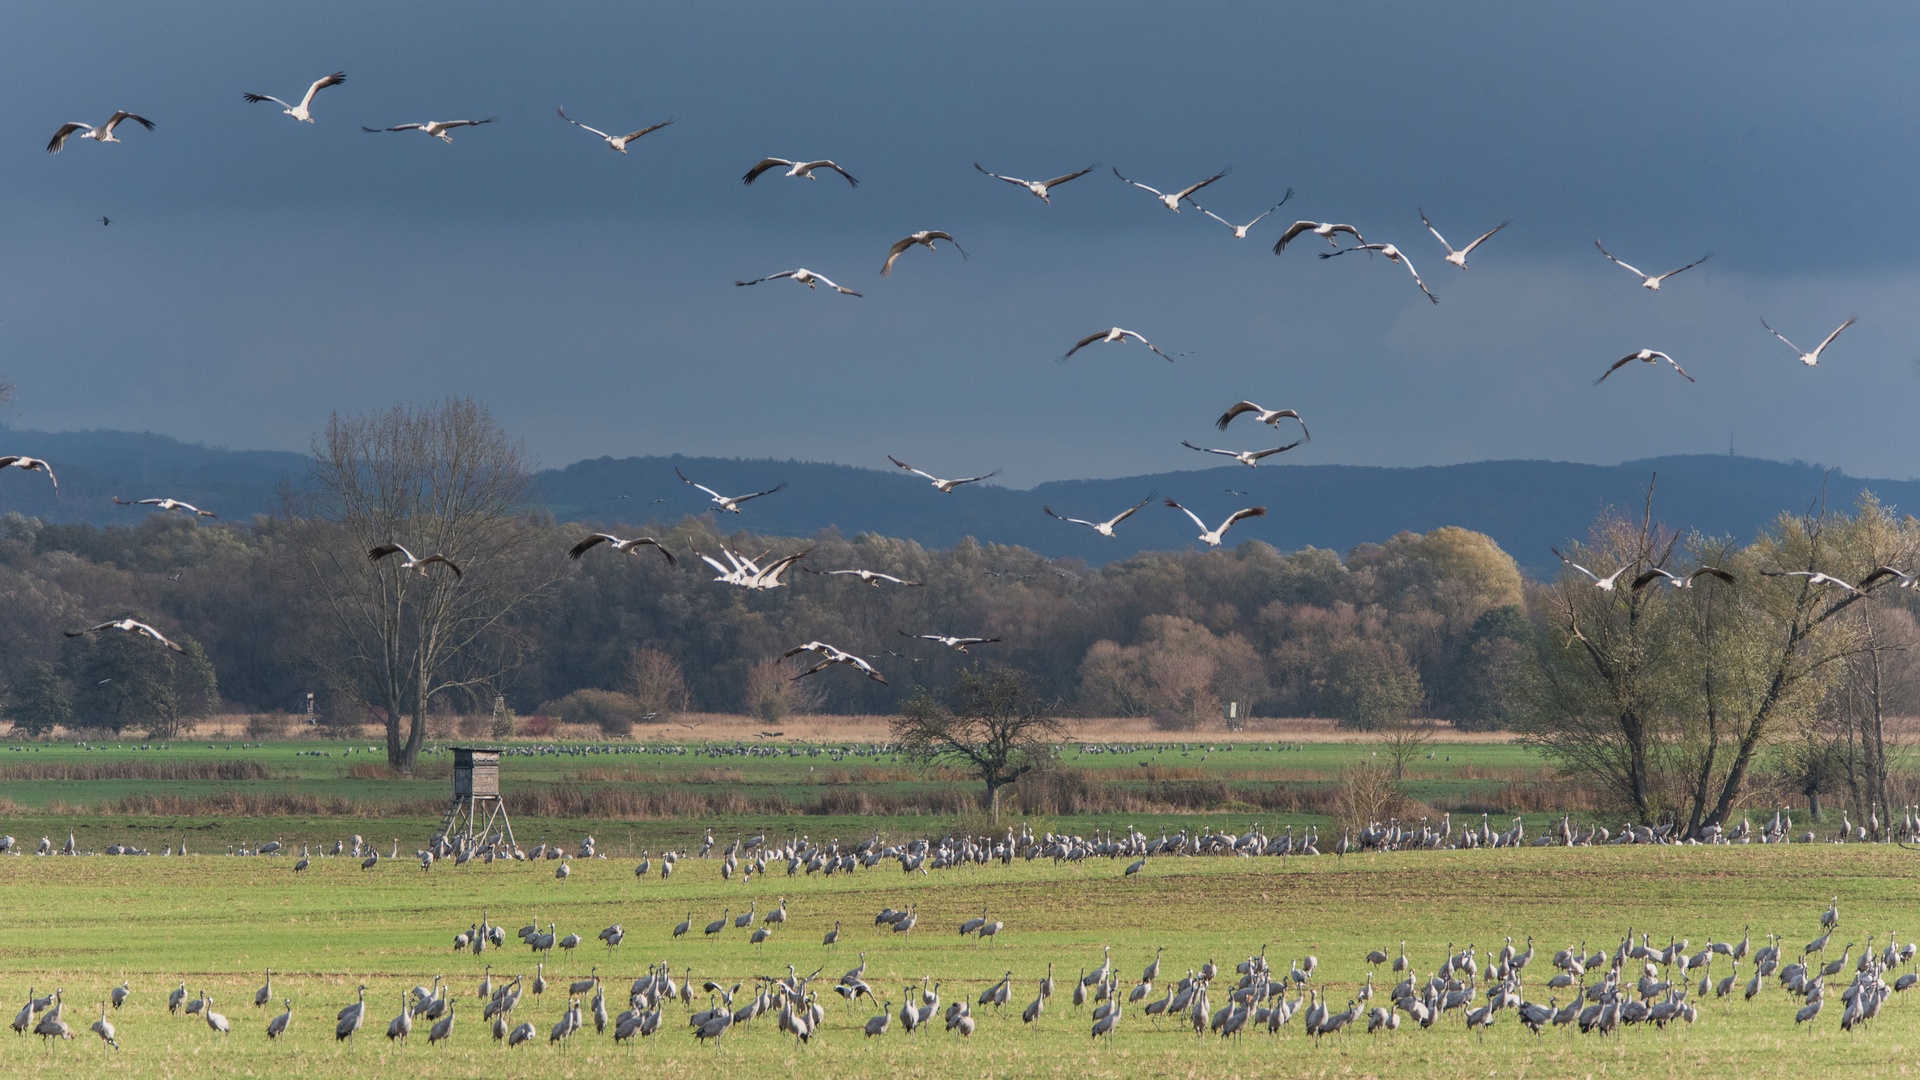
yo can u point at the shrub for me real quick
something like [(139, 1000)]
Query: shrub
[(536, 726), (266, 726), (609, 710)]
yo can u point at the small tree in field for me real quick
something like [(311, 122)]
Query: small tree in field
[(989, 724)]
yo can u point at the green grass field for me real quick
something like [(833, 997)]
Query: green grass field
[(214, 922), (1459, 774)]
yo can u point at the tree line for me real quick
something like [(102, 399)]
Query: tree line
[(288, 604), (1682, 704)]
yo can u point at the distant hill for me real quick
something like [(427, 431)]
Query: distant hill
[(1527, 506), (94, 466)]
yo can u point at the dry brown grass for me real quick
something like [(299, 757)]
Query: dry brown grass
[(729, 727), (137, 770)]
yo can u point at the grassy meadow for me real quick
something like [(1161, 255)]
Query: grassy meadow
[(307, 791), (216, 923)]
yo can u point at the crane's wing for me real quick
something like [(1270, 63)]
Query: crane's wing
[(1048, 510), (1822, 347), (702, 487), (976, 479), (649, 541), (1298, 417), (941, 234), (648, 130), (1434, 231), (821, 666), (743, 498), (894, 253), (1609, 255), (60, 137), (830, 165), (562, 110), (1683, 269), (114, 122), (1271, 209), (1129, 512), (1293, 230), (1676, 366), (384, 550), (765, 164), (1130, 334), (442, 559), (580, 548), (1187, 193), (1207, 450), (1416, 278), (257, 98), (1649, 576), (1085, 341), (769, 277), (822, 279), (401, 127), (447, 125), (1249, 512), (143, 628), (1072, 176), (1224, 221), (866, 668), (1617, 365), (1138, 184), (811, 646), (911, 469), (997, 176), (1189, 513), (1483, 236), (1783, 337), (1710, 571), (1277, 450), (1573, 564), (334, 79)]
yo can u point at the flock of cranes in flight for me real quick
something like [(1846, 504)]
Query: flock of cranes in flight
[(742, 571)]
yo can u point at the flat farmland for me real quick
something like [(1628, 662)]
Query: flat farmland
[(216, 923), (644, 796)]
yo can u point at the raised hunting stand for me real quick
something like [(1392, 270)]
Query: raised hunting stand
[(476, 804)]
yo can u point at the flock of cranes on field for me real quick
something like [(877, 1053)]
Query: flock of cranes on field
[(748, 857), (1605, 991)]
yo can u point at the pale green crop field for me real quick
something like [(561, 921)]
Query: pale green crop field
[(216, 922)]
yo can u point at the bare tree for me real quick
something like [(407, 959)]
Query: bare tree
[(437, 479), (991, 725), (655, 681), (773, 693)]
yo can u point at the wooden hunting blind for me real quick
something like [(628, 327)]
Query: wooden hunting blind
[(476, 804)]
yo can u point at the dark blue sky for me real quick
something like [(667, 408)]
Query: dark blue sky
[(260, 272)]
